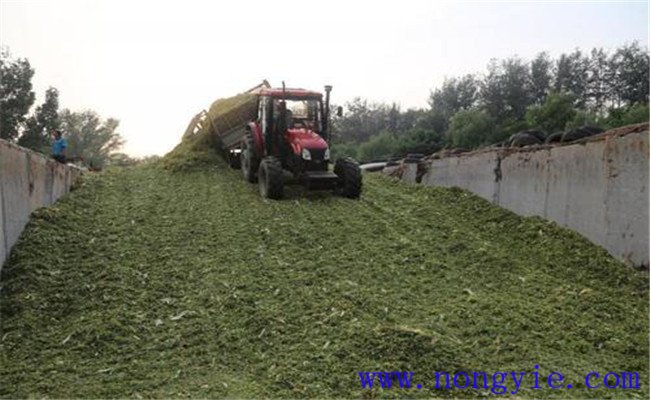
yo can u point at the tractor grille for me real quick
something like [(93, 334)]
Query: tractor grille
[(317, 154), (316, 163)]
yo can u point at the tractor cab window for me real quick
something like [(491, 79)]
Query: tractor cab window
[(300, 113)]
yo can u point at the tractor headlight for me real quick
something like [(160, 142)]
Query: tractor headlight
[(306, 155), (326, 156)]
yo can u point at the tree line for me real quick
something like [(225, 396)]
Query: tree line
[(606, 89), (92, 140)]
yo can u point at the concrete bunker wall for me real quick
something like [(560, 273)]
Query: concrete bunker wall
[(598, 187), (28, 180)]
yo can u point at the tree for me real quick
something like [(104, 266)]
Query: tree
[(572, 77), (361, 121), (121, 160), (44, 120), (89, 137), (16, 95), (340, 150), (408, 120), (433, 120), (381, 146), (492, 92), (456, 94), (553, 115), (419, 140), (631, 64), (471, 128), (516, 87), (598, 80), (506, 89), (540, 77)]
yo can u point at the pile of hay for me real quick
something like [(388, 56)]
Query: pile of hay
[(200, 149)]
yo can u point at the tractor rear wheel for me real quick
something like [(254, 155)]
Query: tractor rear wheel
[(270, 178), (249, 161), (350, 180)]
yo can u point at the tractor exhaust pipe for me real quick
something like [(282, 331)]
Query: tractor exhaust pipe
[(328, 89)]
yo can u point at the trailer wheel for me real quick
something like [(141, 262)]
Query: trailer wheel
[(249, 162), (234, 160), (350, 180), (270, 178)]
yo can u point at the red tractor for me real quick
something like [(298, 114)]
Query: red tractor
[(287, 142)]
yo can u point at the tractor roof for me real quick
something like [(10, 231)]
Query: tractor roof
[(290, 93)]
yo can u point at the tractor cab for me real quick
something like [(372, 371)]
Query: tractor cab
[(290, 137), (294, 128)]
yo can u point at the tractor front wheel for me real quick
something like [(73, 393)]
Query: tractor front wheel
[(350, 180), (270, 178)]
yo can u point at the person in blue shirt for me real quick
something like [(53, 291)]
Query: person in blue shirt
[(59, 146)]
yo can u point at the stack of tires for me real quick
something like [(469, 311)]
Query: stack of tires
[(535, 137), (413, 158)]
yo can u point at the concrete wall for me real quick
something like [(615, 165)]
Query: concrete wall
[(28, 180), (598, 187)]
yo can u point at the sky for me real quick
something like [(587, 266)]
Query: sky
[(155, 64)]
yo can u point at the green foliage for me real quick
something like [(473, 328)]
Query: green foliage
[(572, 77), (121, 160), (617, 117), (601, 74), (16, 95), (582, 118), (631, 70), (505, 129), (148, 160), (362, 120), (145, 283), (454, 95), (381, 146), (470, 129), (633, 114), (553, 115), (89, 137), (341, 150), (387, 145), (505, 90), (541, 75), (433, 120), (419, 140), (42, 123), (596, 88)]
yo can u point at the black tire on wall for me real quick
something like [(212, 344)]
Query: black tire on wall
[(554, 137), (350, 179), (580, 133), (523, 139), (538, 134), (248, 159), (270, 178)]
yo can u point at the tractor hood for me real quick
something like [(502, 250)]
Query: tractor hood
[(305, 139)]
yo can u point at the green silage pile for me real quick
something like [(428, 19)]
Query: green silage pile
[(145, 283), (201, 149)]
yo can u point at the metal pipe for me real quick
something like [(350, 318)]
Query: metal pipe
[(326, 117)]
